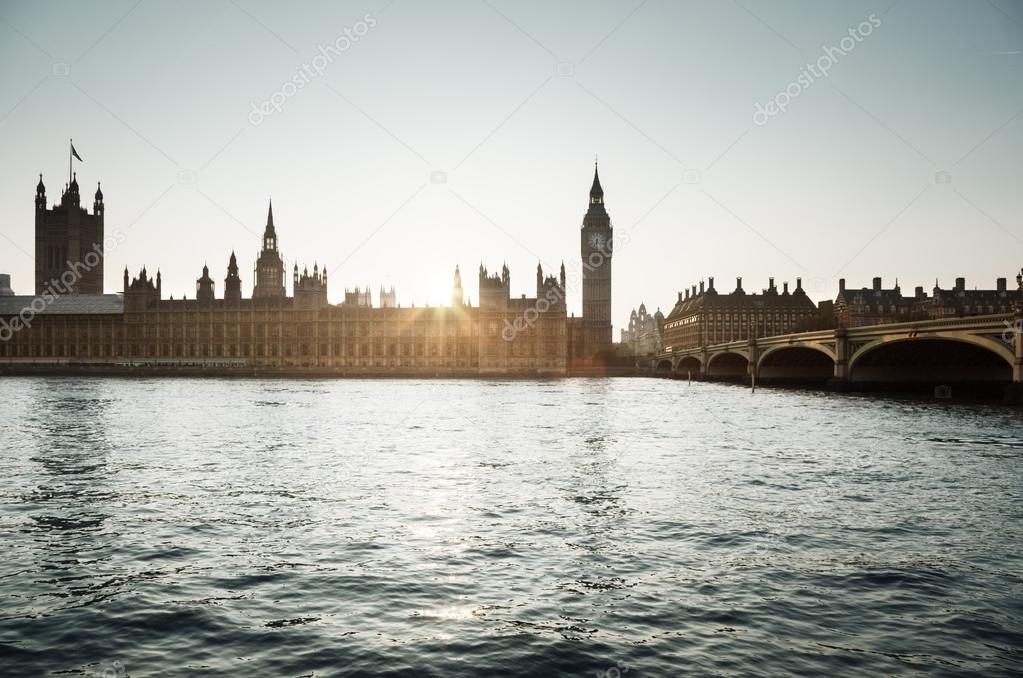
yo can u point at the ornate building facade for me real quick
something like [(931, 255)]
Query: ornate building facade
[(69, 242), (644, 333), (271, 331), (878, 305), (706, 317)]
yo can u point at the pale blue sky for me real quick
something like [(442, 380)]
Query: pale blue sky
[(842, 183)]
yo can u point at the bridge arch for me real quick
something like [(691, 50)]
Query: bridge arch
[(932, 359), (728, 365), (663, 366), (781, 347), (796, 362), (689, 365)]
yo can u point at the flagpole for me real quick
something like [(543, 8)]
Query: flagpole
[(70, 161)]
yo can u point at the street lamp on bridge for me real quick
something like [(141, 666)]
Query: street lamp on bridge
[(1019, 286)]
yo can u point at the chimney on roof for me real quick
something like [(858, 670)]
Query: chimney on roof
[(919, 292), (770, 283), (877, 284), (799, 284), (710, 284), (960, 284), (1000, 284), (701, 287), (785, 287), (841, 284)]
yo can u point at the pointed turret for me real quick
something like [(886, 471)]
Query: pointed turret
[(269, 268), (40, 194), (204, 285), (97, 203), (457, 298), (71, 195), (596, 192), (270, 232), (233, 282)]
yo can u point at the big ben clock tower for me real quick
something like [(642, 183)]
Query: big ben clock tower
[(596, 244)]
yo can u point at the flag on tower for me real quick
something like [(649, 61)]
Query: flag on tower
[(75, 153)]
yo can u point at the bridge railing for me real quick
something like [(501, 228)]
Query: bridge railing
[(996, 320)]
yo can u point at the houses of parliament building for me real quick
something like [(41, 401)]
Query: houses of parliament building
[(71, 324)]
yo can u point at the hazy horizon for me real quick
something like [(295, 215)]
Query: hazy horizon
[(511, 101)]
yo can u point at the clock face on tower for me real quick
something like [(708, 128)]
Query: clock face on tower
[(597, 241)]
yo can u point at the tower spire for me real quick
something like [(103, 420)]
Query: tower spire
[(596, 192)]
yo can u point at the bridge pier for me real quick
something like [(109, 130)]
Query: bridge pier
[(1014, 391), (841, 355), (754, 360), (840, 382)]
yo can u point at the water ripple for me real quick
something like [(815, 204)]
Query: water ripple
[(577, 527)]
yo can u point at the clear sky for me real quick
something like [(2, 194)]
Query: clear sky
[(903, 161)]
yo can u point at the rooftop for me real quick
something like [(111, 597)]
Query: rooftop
[(81, 304)]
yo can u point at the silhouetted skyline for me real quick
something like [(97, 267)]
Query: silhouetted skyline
[(421, 137)]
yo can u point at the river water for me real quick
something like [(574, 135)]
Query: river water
[(619, 527)]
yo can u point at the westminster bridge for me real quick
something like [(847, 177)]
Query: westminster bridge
[(945, 350)]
